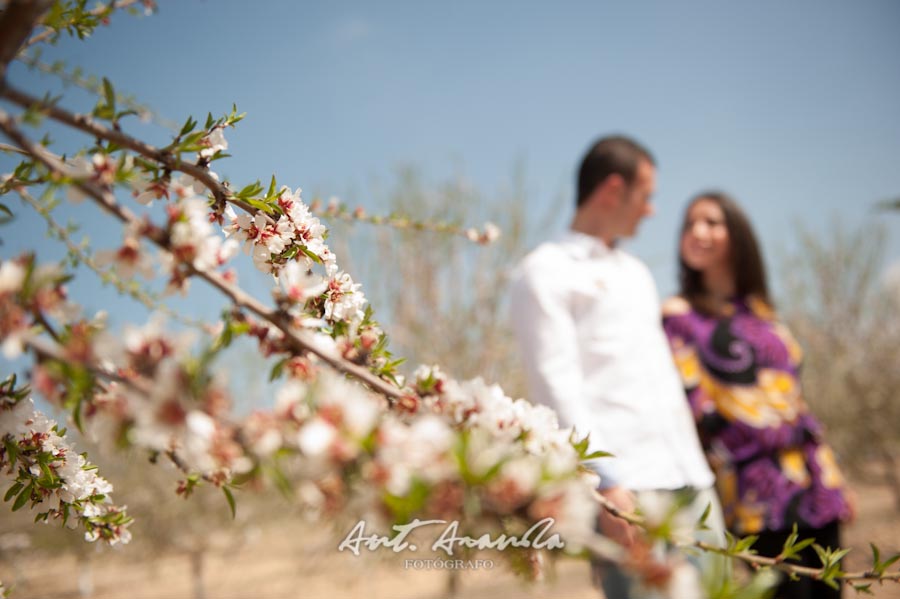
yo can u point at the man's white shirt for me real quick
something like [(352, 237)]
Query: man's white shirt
[(588, 324)]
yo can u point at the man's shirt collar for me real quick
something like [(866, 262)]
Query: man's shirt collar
[(583, 246)]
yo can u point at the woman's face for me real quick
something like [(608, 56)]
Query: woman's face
[(704, 240)]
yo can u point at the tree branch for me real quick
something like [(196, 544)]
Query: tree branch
[(16, 22), (89, 125), (752, 558), (48, 31), (139, 295), (238, 297)]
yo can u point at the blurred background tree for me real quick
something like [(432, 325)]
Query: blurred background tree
[(842, 305), (442, 298)]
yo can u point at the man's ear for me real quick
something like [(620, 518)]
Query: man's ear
[(610, 190)]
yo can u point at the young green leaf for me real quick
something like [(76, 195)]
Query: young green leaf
[(230, 499), (13, 491), (110, 95), (22, 499)]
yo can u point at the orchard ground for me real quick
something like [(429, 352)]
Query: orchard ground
[(296, 559)]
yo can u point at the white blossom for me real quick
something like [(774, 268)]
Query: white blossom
[(491, 232), (214, 142), (315, 437), (344, 299), (12, 275), (299, 283)]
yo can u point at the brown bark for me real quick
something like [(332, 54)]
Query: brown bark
[(16, 24)]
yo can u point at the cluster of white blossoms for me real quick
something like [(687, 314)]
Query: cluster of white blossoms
[(159, 412), (518, 447), (192, 238), (488, 407), (289, 243), (24, 288), (350, 446), (443, 443), (129, 259), (50, 476), (295, 234)]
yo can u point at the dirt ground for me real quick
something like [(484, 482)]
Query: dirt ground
[(302, 561)]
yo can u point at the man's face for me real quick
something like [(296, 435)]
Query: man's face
[(636, 204)]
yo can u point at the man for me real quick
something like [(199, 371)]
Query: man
[(587, 320)]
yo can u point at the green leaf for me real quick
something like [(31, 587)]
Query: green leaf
[(230, 499), (250, 190), (277, 369), (48, 474), (792, 548), (281, 481), (701, 524), (259, 205), (879, 567), (403, 507), (314, 257), (890, 562), (738, 545), (597, 454), (13, 490), (271, 192), (125, 113), (801, 545), (22, 499), (110, 95), (12, 450), (188, 126), (7, 214)]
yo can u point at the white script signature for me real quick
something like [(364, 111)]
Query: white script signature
[(449, 539)]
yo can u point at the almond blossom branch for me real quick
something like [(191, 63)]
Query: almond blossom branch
[(47, 351), (752, 558), (238, 297), (106, 276), (92, 85), (89, 125), (221, 192), (100, 11), (48, 474), (334, 209), (12, 149)]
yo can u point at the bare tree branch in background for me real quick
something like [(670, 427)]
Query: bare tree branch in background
[(446, 299), (843, 309)]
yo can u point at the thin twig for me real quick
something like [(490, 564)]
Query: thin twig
[(401, 222), (56, 352), (92, 85), (750, 558), (238, 296), (89, 125), (48, 31), (12, 149), (136, 384), (105, 275)]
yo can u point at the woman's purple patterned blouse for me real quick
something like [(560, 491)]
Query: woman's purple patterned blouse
[(773, 468)]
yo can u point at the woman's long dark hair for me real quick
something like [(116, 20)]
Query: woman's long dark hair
[(746, 258)]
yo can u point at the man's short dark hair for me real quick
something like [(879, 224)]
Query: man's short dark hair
[(613, 155)]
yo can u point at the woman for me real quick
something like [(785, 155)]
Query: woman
[(740, 367)]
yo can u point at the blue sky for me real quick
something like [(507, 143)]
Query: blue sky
[(790, 106)]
